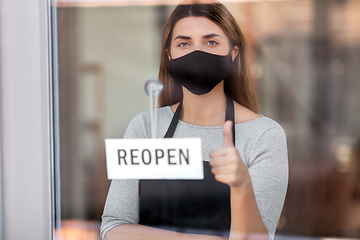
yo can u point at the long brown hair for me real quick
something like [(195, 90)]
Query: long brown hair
[(238, 84)]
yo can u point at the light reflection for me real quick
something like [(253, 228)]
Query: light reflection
[(78, 230), (344, 152)]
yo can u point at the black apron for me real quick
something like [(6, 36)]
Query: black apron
[(187, 204)]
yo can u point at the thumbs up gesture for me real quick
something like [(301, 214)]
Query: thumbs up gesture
[(226, 163)]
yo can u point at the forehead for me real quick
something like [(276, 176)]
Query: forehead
[(196, 26)]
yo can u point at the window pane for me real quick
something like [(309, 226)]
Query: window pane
[(304, 62)]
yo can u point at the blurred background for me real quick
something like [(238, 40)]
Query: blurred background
[(305, 61)]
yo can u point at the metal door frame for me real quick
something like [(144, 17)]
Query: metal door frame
[(29, 127)]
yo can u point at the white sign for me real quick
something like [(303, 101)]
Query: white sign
[(169, 158)]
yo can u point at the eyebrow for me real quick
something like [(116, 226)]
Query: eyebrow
[(211, 35), (205, 36), (182, 37)]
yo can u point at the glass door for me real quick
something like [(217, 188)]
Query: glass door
[(304, 64)]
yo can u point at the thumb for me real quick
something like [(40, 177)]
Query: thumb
[(228, 135)]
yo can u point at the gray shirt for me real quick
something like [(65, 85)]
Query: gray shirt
[(262, 147)]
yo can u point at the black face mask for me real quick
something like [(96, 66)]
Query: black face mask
[(200, 71)]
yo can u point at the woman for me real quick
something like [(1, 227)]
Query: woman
[(205, 76)]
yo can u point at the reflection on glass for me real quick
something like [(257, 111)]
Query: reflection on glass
[(305, 58), (153, 88)]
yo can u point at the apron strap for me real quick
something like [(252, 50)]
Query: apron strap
[(174, 122), (228, 116)]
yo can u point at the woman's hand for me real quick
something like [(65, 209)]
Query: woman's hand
[(227, 166), (226, 163)]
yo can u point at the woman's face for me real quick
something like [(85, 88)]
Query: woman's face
[(199, 33)]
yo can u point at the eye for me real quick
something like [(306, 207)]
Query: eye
[(183, 44), (212, 43)]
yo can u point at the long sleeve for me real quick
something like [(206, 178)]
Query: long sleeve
[(122, 202)]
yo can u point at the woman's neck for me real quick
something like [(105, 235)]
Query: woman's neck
[(204, 110)]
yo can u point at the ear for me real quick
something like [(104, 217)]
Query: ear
[(234, 52), (168, 54)]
